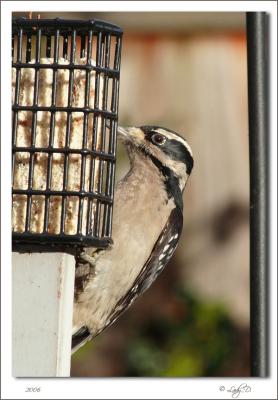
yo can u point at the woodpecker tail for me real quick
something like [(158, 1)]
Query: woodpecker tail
[(79, 338)]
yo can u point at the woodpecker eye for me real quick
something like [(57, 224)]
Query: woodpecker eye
[(159, 139)]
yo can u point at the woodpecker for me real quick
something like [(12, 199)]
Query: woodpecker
[(147, 224)]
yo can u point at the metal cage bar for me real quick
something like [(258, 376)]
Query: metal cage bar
[(258, 131), (84, 56)]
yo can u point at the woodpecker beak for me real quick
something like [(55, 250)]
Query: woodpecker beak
[(122, 133), (130, 135)]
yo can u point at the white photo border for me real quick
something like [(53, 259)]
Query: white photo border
[(123, 388)]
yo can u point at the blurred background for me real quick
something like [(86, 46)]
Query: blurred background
[(187, 72)]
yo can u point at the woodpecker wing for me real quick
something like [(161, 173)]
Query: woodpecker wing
[(160, 256), (158, 259)]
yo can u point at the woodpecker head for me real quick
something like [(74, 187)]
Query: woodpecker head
[(168, 151)]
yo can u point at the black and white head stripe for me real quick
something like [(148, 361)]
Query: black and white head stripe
[(175, 146), (168, 151)]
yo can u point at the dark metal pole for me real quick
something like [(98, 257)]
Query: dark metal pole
[(258, 130)]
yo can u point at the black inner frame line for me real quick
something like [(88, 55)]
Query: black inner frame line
[(257, 60), (258, 129)]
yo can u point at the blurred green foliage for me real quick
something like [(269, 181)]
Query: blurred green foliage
[(197, 344)]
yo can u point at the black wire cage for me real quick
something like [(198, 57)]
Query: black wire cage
[(65, 89)]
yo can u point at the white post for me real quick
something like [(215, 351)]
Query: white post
[(43, 287)]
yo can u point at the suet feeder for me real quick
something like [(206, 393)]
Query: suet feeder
[(65, 77), (65, 89)]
